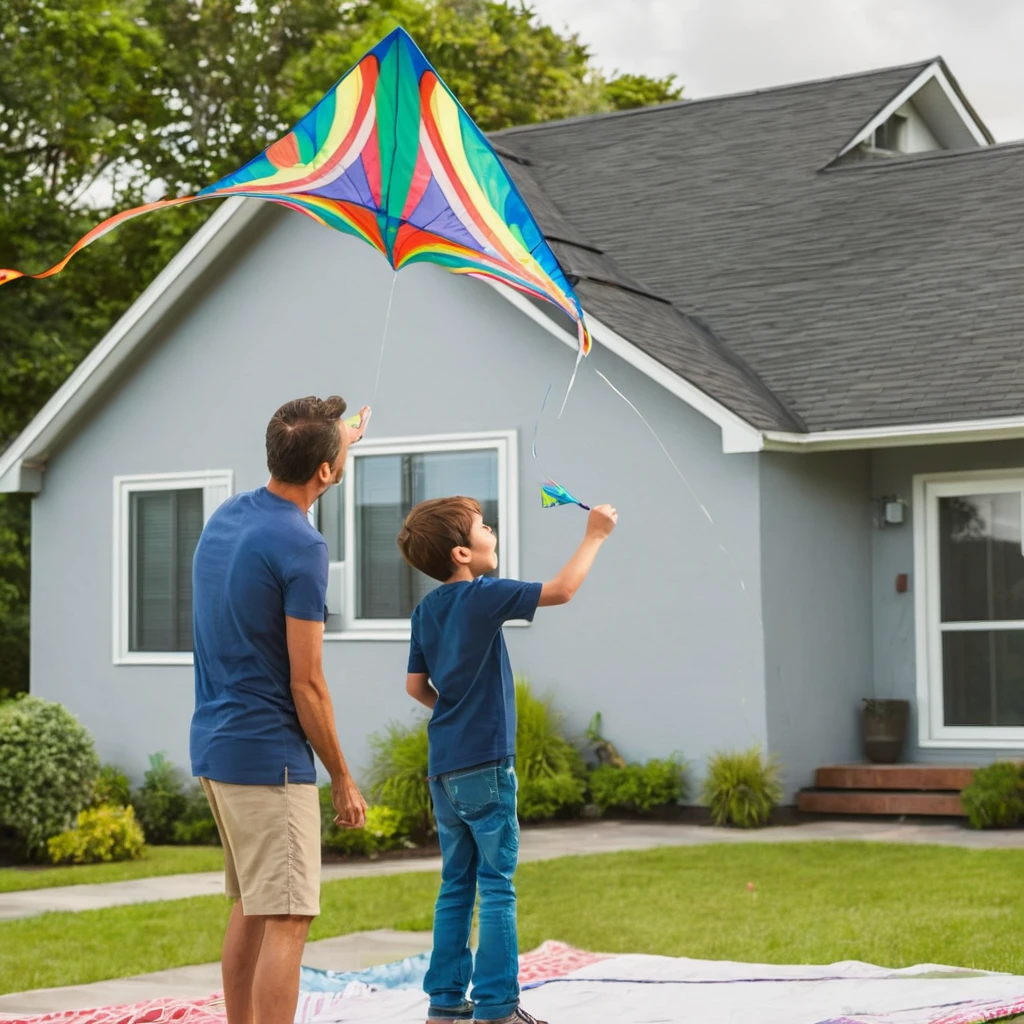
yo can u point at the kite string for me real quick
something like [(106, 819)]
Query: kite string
[(702, 506), (384, 338), (540, 416)]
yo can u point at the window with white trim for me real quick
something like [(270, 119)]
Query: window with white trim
[(157, 523), (971, 639), (372, 591)]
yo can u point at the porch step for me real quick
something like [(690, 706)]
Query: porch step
[(880, 802), (947, 777)]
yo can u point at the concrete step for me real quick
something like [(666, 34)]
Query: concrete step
[(893, 776), (880, 802)]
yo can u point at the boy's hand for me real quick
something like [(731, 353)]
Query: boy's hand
[(601, 522), (349, 805)]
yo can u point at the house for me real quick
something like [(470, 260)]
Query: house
[(813, 294)]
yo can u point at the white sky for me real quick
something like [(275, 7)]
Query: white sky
[(722, 46)]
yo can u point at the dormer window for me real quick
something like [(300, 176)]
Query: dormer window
[(891, 136)]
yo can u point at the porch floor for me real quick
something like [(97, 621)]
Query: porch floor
[(887, 789)]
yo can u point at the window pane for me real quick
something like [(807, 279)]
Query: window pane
[(164, 530), (983, 677), (980, 562), (387, 487), (331, 521)]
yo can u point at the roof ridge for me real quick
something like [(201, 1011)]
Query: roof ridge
[(506, 133)]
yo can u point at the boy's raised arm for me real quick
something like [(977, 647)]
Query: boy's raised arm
[(563, 587)]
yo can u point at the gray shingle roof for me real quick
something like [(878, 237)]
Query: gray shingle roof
[(869, 294)]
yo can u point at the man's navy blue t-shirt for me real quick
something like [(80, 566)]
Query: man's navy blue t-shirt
[(257, 561), (457, 641)]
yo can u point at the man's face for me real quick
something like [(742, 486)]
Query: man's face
[(337, 470)]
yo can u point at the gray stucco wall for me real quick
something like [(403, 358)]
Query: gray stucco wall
[(661, 640), (895, 670), (816, 566)]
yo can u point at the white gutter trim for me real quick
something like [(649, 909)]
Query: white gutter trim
[(933, 71), (999, 429), (16, 470)]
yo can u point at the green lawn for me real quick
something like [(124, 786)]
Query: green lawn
[(814, 903), (158, 860)]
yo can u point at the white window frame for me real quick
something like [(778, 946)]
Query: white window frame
[(928, 488), (505, 443), (217, 485)]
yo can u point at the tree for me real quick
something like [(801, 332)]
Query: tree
[(108, 103)]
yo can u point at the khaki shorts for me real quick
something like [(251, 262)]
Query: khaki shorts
[(271, 839)]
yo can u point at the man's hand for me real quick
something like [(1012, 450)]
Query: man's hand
[(349, 805), (601, 522), (355, 433)]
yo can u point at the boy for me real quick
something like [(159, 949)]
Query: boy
[(457, 645)]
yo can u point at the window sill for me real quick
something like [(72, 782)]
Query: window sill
[(969, 742), (396, 635), (179, 658)]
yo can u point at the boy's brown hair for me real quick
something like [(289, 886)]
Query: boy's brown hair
[(302, 436), (432, 529)]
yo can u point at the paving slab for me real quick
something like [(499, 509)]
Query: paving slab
[(344, 953)]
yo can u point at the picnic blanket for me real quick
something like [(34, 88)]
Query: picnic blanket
[(567, 985)]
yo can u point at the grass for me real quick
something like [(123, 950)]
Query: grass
[(158, 860), (812, 903)]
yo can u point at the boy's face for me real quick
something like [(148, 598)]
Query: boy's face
[(482, 550)]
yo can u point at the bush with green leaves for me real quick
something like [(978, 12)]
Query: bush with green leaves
[(160, 801), (196, 826), (398, 777), (112, 788), (994, 798), (102, 834), (383, 830), (48, 769), (638, 788), (552, 775), (742, 788)]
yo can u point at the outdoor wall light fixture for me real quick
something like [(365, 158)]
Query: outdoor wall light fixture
[(890, 510)]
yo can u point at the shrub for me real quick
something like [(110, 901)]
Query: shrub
[(161, 800), (550, 769), (638, 787), (196, 826), (994, 798), (48, 769), (112, 788), (741, 789), (102, 834), (383, 830), (398, 776)]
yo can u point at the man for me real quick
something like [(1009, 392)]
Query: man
[(259, 587)]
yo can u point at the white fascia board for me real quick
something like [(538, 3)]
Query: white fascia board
[(933, 71), (21, 464), (737, 434), (1002, 429)]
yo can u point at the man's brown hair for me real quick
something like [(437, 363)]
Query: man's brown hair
[(432, 529), (301, 436)]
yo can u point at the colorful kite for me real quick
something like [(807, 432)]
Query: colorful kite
[(552, 494), (390, 156)]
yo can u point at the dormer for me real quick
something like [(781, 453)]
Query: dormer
[(930, 114)]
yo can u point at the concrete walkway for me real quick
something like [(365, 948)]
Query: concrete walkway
[(545, 843)]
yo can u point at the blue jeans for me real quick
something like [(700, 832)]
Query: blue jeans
[(475, 810)]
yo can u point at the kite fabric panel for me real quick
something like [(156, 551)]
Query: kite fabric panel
[(391, 157)]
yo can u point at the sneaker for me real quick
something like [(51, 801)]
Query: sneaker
[(520, 1016), (461, 1015)]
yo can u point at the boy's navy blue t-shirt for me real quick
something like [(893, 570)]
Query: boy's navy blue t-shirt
[(457, 641), (257, 561)]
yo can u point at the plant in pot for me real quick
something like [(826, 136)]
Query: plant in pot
[(884, 728)]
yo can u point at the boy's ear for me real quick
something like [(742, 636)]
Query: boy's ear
[(461, 556)]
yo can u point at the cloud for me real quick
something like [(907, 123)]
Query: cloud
[(722, 46)]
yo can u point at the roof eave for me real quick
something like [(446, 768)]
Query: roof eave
[(898, 436)]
